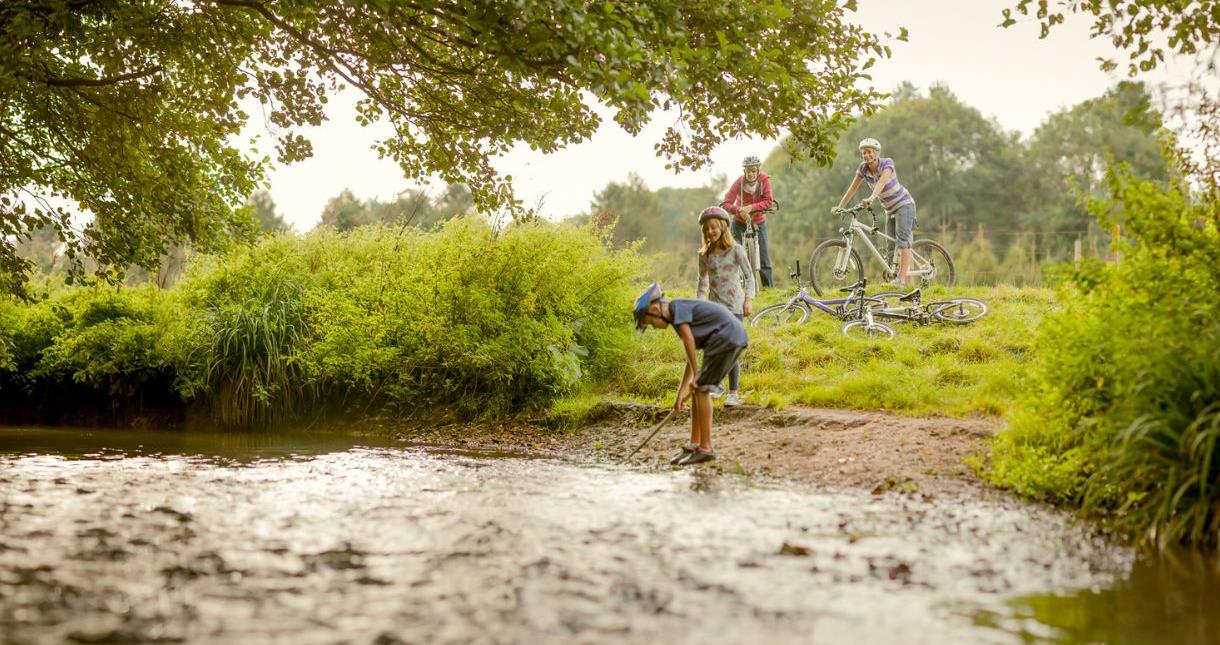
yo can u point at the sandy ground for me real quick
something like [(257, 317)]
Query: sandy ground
[(876, 451)]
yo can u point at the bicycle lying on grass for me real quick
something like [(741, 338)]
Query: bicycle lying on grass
[(855, 310), (836, 262), (906, 307)]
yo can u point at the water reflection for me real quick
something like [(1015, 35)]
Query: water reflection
[(111, 443), (1173, 598)]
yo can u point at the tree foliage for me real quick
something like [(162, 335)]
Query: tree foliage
[(1005, 204), (413, 207), (263, 208), (1137, 27), (127, 110)]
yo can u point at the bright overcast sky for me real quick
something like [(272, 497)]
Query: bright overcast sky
[(1008, 74)]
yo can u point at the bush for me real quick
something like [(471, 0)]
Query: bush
[(469, 317), (104, 338), (466, 316), (1122, 418)]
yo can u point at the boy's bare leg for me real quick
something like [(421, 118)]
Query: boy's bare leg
[(694, 419), (702, 415)]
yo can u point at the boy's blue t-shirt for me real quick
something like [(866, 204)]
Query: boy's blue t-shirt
[(714, 327)]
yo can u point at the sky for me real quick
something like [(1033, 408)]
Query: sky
[(1008, 74)]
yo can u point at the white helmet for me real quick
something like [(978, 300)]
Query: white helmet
[(751, 161), (870, 143)]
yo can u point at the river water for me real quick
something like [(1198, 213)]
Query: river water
[(125, 537)]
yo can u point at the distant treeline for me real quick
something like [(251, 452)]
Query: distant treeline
[(1004, 205)]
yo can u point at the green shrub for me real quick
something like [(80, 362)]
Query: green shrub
[(101, 337), (465, 316), (474, 318), (1121, 416)]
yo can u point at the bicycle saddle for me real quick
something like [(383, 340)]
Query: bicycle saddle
[(911, 297)]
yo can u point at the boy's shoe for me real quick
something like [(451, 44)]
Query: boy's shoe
[(686, 451), (732, 400), (697, 457)]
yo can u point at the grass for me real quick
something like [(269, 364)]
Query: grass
[(954, 370)]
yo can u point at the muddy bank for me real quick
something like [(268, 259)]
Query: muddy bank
[(876, 451)]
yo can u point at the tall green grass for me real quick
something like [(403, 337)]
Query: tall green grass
[(466, 318), (1121, 416)]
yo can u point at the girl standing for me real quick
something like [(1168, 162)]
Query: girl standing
[(722, 264)]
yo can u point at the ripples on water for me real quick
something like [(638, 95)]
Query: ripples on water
[(302, 539)]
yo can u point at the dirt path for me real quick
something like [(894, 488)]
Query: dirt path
[(875, 451)]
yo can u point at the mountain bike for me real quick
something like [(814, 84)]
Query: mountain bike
[(855, 310), (836, 262), (907, 307)]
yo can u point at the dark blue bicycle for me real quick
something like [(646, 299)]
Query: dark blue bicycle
[(856, 310)]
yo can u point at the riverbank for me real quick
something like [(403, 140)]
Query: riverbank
[(843, 449)]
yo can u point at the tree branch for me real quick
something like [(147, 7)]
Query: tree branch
[(57, 81)]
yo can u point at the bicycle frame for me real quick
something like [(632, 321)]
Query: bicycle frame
[(802, 297), (920, 266)]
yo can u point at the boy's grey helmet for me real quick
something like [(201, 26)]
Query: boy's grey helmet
[(751, 161), (652, 294)]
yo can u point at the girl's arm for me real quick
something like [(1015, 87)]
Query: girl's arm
[(880, 185), (702, 289), (851, 190), (729, 204), (692, 365)]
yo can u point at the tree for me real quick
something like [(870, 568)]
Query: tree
[(345, 212), (1071, 152), (269, 221), (1137, 27), (1144, 30), (127, 109), (961, 167)]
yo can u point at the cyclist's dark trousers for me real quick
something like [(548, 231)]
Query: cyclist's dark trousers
[(738, 229)]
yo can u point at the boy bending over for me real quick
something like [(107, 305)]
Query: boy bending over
[(700, 324)]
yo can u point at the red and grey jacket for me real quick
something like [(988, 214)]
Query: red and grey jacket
[(760, 199)]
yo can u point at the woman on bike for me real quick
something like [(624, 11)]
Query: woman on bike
[(722, 262), (750, 197), (882, 179)]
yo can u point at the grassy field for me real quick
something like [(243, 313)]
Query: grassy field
[(953, 370)]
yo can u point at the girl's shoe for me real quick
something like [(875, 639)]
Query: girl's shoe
[(697, 457), (686, 451), (732, 400)]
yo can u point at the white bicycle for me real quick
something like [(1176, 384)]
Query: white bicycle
[(835, 263)]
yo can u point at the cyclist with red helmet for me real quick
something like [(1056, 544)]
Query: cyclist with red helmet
[(749, 198), (722, 263)]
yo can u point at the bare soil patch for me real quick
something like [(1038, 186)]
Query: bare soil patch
[(870, 450)]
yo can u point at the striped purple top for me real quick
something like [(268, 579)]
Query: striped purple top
[(892, 194)]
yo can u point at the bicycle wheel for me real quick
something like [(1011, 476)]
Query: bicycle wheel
[(823, 265), (864, 330), (933, 260), (958, 310), (780, 314)]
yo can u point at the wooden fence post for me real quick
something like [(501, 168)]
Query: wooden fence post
[(1076, 254), (1114, 255)]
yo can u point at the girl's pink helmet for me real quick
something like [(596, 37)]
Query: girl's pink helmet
[(713, 211)]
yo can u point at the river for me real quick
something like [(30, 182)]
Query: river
[(151, 537)]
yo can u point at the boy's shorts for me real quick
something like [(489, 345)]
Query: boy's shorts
[(715, 368)]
